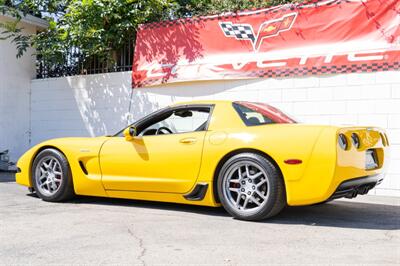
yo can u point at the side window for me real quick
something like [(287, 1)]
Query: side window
[(179, 121), (254, 114), (252, 117)]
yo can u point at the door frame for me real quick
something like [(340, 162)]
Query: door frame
[(151, 118)]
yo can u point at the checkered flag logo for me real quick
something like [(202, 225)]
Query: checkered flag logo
[(267, 29), (239, 31)]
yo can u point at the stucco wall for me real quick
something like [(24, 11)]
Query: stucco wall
[(15, 79), (98, 104)]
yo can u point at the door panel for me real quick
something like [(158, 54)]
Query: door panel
[(157, 163)]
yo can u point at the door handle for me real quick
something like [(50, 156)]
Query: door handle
[(188, 140)]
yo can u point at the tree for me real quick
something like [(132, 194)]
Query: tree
[(99, 28), (188, 8), (20, 8)]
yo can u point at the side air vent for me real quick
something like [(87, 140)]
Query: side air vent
[(198, 193), (83, 167)]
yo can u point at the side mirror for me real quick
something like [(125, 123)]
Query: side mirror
[(130, 133)]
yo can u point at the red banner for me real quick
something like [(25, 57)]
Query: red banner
[(329, 36)]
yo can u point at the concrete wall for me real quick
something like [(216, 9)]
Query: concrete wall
[(15, 79), (98, 104)]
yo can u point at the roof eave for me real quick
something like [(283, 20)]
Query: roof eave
[(38, 22), (32, 20)]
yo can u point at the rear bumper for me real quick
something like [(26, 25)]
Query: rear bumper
[(356, 186)]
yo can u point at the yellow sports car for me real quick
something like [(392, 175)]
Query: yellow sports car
[(248, 157)]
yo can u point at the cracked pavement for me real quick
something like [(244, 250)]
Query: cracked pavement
[(96, 231)]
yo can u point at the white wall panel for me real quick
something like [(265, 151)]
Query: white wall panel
[(98, 104), (15, 79)]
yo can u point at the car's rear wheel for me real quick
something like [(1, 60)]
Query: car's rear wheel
[(51, 176), (251, 187)]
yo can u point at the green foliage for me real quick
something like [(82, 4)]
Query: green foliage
[(187, 8), (17, 9), (13, 33), (100, 27), (33, 7)]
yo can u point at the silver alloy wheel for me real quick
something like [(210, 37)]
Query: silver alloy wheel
[(48, 175), (246, 186)]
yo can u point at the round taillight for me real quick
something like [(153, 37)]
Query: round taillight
[(343, 143), (356, 140)]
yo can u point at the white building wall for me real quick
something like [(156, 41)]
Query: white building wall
[(15, 79), (98, 104)]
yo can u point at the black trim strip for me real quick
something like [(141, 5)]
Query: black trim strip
[(361, 185)]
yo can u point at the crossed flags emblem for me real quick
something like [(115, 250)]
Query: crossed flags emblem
[(267, 29)]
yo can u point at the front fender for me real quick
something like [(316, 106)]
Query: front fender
[(24, 164), (78, 151)]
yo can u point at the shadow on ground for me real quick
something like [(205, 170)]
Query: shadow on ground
[(6, 177), (344, 214)]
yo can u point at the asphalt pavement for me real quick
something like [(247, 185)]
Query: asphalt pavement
[(95, 231)]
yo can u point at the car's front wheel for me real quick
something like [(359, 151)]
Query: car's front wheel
[(251, 187), (51, 176)]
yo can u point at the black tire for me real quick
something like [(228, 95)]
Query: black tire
[(275, 199), (65, 191)]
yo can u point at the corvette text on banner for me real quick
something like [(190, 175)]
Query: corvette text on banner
[(330, 36)]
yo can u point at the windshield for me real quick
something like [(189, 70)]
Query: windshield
[(254, 114)]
